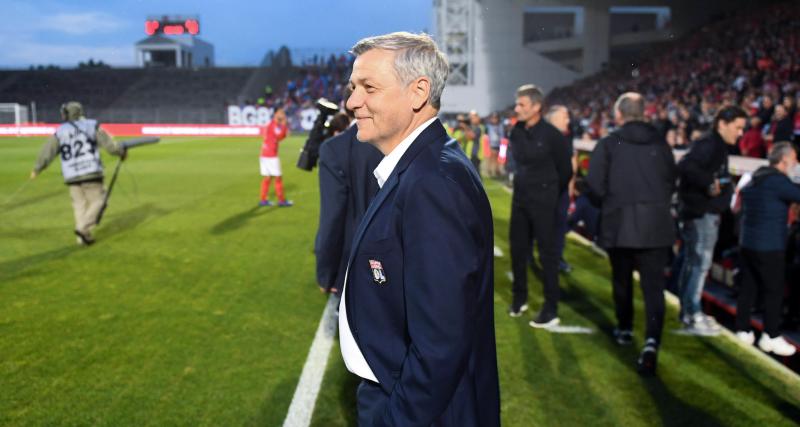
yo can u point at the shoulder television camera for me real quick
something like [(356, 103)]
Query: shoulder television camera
[(310, 152)]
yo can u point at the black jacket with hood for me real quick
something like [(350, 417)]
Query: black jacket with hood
[(632, 177)]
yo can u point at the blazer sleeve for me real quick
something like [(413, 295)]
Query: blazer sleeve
[(441, 258), (333, 191)]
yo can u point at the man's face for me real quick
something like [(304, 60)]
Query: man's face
[(731, 131), (791, 160), (780, 112), (474, 119), (560, 119), (526, 109), (381, 102), (280, 117)]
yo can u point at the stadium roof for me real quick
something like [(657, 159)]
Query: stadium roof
[(159, 39)]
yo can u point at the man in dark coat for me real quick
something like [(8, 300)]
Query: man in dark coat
[(704, 192), (632, 176), (543, 171), (765, 206), (346, 186)]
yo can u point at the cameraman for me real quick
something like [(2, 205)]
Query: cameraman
[(346, 185)]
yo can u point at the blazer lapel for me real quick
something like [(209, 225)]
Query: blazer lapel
[(376, 203), (432, 133)]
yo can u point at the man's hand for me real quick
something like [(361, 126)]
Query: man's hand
[(327, 290), (714, 189), (34, 174)]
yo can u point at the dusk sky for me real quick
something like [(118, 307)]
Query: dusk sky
[(67, 32)]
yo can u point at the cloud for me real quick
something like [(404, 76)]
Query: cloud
[(28, 53), (81, 23), (35, 35)]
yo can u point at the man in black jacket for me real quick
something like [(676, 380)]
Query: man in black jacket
[(704, 191), (346, 186), (632, 177), (543, 171)]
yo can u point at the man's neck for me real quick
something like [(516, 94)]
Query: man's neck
[(419, 118), (533, 121)]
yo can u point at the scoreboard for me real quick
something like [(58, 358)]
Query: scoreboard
[(172, 26)]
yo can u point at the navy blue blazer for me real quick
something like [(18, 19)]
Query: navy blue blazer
[(346, 185), (420, 290)]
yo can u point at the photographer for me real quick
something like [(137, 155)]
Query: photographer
[(76, 141)]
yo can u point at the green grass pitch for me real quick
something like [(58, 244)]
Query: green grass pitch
[(196, 307)]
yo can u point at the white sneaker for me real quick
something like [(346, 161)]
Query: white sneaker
[(777, 345), (746, 337)]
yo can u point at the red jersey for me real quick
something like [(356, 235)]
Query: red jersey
[(273, 134)]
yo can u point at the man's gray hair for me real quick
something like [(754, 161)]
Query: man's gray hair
[(630, 106), (532, 92), (416, 55), (779, 151)]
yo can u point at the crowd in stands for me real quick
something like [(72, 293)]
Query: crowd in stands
[(318, 77), (750, 59)]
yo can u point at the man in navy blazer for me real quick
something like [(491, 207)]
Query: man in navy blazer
[(346, 186), (416, 318)]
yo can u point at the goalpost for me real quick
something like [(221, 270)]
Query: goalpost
[(13, 116), (13, 113)]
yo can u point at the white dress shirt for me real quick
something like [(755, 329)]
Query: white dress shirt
[(353, 358)]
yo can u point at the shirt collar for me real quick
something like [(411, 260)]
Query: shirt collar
[(387, 165)]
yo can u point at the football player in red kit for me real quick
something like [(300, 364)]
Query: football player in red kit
[(274, 132)]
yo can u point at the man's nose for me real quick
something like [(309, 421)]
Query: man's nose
[(354, 101)]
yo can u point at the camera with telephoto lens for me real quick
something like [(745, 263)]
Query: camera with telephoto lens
[(310, 152)]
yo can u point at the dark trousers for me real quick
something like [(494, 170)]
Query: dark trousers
[(763, 270), (650, 263), (531, 221), (561, 223), (372, 401)]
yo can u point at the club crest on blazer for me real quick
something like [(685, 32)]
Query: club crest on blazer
[(378, 275)]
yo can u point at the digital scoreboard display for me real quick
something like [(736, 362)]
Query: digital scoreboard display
[(172, 26)]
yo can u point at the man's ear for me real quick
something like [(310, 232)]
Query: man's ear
[(420, 91)]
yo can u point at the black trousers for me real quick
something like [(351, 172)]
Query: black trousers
[(537, 221), (763, 270), (650, 262), (562, 218)]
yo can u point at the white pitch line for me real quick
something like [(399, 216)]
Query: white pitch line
[(305, 395)]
